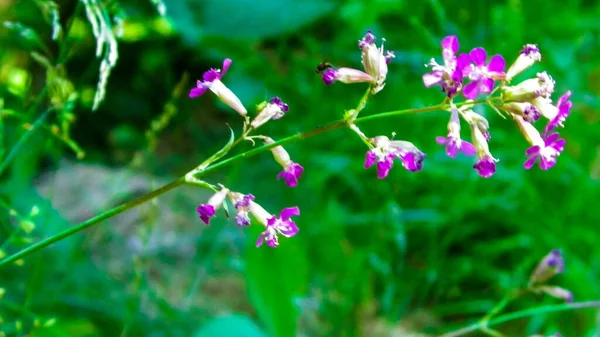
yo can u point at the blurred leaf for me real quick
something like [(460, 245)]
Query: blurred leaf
[(259, 18), (274, 278), (230, 326)]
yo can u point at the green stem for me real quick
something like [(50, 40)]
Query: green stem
[(523, 314), (103, 216), (128, 205)]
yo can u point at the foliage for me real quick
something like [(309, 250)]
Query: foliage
[(417, 253)]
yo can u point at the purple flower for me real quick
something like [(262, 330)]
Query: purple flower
[(564, 109), (448, 76), (386, 150), (282, 225), (482, 76), (375, 61), (291, 173), (550, 265), (546, 153), (291, 170), (242, 206), (384, 162), (212, 80), (208, 210), (275, 109), (346, 75), (453, 142), (485, 166)]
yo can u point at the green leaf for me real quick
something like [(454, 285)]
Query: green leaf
[(244, 19), (234, 325), (274, 278)]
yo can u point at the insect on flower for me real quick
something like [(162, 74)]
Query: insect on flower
[(323, 66)]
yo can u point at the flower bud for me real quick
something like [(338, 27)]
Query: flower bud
[(528, 56), (273, 110), (545, 107), (556, 292), (552, 264), (541, 85), (524, 109), (209, 209), (291, 171), (374, 60), (346, 75), (478, 121)]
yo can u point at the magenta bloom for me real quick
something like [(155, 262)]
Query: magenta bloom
[(482, 76), (387, 150), (564, 110), (486, 166), (546, 153), (206, 212), (212, 80), (455, 144), (384, 162), (291, 173), (282, 225), (449, 76)]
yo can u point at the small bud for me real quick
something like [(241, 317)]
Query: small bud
[(528, 56), (556, 292), (346, 75), (2, 292), (478, 121), (275, 109), (524, 109), (541, 85), (531, 134), (209, 209), (291, 171), (552, 264), (545, 107), (374, 60)]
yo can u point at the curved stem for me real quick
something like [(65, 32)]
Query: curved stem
[(523, 314), (182, 180)]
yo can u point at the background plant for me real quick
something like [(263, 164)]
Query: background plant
[(434, 249)]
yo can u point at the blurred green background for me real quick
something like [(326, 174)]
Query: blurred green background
[(414, 254)]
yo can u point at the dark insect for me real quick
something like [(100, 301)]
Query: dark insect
[(323, 66)]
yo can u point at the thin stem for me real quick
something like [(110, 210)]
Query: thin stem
[(103, 216), (197, 173), (523, 314)]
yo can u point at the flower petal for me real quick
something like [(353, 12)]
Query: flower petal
[(286, 213), (226, 65), (198, 91), (471, 90), (450, 43), (432, 79), (478, 56), (496, 64), (486, 85), (370, 158)]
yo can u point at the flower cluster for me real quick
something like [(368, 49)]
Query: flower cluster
[(552, 264), (472, 75), (244, 204)]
